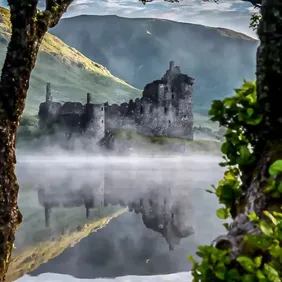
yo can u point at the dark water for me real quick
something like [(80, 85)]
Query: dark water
[(169, 210)]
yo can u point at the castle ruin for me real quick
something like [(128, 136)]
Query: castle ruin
[(165, 109)]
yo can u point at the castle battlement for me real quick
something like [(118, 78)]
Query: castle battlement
[(165, 105)]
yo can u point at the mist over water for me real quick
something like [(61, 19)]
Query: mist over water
[(125, 245)]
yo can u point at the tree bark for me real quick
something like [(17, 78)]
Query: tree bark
[(28, 30), (269, 146)]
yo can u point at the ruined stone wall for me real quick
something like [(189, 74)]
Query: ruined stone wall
[(185, 117), (95, 120), (165, 109), (48, 112), (69, 118)]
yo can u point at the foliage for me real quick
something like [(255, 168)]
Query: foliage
[(240, 116), (264, 265), (262, 261), (255, 20)]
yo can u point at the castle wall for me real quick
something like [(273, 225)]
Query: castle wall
[(48, 112), (95, 120), (186, 113), (165, 109)]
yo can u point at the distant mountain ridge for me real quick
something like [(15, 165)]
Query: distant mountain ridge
[(138, 51)]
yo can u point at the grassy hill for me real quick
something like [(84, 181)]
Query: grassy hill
[(71, 74)]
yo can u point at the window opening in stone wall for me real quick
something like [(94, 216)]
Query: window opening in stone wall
[(141, 110), (165, 110), (151, 109), (102, 109), (172, 96), (166, 89), (102, 121), (169, 122)]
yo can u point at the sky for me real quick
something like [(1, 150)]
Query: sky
[(232, 14)]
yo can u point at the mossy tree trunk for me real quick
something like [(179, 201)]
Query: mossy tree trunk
[(28, 29), (268, 147)]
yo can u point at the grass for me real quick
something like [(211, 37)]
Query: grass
[(71, 74), (194, 146)]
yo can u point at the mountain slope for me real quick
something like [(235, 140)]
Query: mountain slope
[(138, 51), (71, 74)]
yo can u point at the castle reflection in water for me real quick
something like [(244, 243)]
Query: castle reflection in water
[(160, 196)]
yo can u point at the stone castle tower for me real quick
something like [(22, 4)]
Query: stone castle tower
[(73, 117), (166, 106), (165, 109)]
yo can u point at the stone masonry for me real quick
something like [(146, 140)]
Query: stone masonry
[(165, 109)]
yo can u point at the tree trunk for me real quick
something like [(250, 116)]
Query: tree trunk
[(10, 217), (269, 146), (20, 59), (28, 30)]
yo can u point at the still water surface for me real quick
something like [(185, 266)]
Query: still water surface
[(169, 211)]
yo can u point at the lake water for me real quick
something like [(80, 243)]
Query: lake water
[(169, 211)]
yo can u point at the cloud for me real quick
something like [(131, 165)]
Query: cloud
[(232, 14)]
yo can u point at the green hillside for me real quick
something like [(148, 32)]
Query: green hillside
[(71, 74)]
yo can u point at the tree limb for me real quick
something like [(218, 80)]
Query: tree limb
[(54, 11)]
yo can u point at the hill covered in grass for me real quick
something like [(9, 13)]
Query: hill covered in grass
[(71, 73)]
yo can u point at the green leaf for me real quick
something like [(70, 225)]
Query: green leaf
[(280, 187), (209, 191), (260, 274), (224, 148), (258, 261), (220, 273), (271, 185), (255, 121), (190, 257), (275, 168), (246, 263), (234, 275), (271, 273), (222, 213), (277, 214), (244, 155), (253, 216), (271, 217), (266, 228), (250, 111), (259, 241), (275, 251), (226, 225), (249, 278)]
